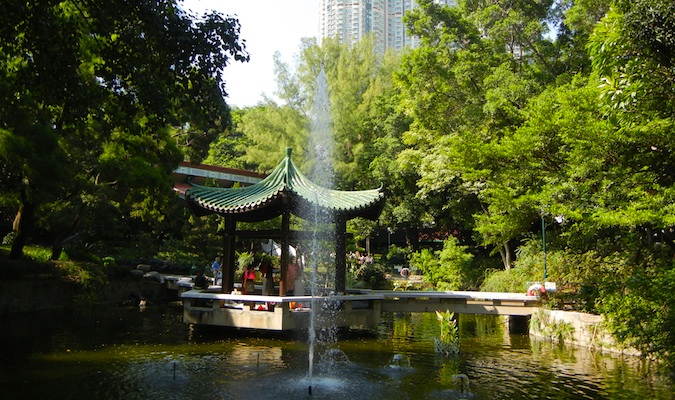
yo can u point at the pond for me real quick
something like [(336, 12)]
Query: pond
[(133, 353)]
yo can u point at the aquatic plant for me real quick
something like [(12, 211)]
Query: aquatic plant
[(448, 343)]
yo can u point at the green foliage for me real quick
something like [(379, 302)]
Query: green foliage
[(638, 300), (108, 261), (398, 255), (448, 342), (373, 275), (406, 284), (448, 325), (245, 259), (447, 269), (8, 239), (542, 323), (42, 254), (361, 229), (85, 275), (575, 275), (424, 260), (98, 104), (514, 280)]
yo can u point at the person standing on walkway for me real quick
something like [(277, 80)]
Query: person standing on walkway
[(215, 267)]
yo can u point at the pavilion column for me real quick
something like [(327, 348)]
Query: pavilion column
[(285, 242), (340, 254), (229, 266)]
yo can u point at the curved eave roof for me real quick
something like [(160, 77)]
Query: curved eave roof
[(286, 186)]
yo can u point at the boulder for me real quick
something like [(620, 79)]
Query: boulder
[(144, 267), (154, 276)]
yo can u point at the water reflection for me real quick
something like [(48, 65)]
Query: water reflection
[(151, 354)]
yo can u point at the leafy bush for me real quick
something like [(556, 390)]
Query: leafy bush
[(8, 239), (564, 268), (37, 253), (397, 255), (108, 261), (373, 275), (638, 300), (447, 269), (514, 280)]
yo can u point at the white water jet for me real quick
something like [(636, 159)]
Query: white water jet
[(321, 152)]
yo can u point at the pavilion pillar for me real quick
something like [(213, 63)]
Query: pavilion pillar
[(340, 254), (285, 242), (229, 266)]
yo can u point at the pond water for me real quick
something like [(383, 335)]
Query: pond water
[(132, 353)]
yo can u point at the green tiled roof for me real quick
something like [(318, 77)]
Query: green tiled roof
[(286, 186)]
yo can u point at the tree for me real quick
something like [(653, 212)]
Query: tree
[(631, 50), (91, 96), (230, 147), (446, 269), (355, 79), (466, 88)]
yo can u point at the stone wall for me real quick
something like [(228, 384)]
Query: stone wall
[(576, 328)]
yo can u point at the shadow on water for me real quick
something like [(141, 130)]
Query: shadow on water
[(128, 353)]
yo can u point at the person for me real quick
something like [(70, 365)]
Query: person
[(291, 277), (200, 280), (266, 271), (215, 267), (248, 285)]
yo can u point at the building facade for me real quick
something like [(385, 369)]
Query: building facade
[(351, 20)]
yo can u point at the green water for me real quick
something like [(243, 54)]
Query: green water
[(129, 353)]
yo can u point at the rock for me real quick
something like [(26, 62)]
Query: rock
[(154, 275), (144, 267), (137, 274)]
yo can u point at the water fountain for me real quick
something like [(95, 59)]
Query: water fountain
[(321, 151)]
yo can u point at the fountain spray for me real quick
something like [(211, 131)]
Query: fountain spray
[(321, 146)]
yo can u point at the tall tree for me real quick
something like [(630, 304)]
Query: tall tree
[(632, 52), (356, 76), (466, 88), (91, 96)]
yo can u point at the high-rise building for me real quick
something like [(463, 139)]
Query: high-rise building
[(350, 20)]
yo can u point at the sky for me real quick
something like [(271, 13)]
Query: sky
[(267, 26)]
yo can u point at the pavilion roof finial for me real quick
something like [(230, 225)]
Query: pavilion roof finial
[(289, 150)]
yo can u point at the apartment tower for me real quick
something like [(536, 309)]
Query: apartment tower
[(350, 20)]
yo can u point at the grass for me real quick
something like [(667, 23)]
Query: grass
[(36, 264)]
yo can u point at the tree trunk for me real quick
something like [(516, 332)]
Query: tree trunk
[(21, 227), (505, 253)]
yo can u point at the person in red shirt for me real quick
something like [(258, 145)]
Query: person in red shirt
[(247, 286)]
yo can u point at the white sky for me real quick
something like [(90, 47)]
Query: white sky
[(267, 26)]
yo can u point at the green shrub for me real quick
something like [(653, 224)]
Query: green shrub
[(514, 280), (563, 267), (447, 269), (8, 239), (108, 261), (397, 255), (373, 275), (37, 253)]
